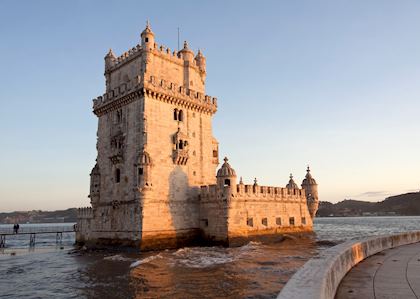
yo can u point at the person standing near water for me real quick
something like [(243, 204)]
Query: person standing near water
[(17, 228), (14, 228)]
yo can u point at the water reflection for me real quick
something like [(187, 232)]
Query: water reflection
[(254, 270)]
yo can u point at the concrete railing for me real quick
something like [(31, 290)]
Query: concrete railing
[(319, 277)]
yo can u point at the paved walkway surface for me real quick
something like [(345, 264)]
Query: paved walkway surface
[(393, 273)]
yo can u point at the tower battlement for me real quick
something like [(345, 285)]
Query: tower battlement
[(162, 51), (154, 184), (160, 89)]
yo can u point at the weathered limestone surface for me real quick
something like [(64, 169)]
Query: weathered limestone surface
[(154, 183), (320, 277)]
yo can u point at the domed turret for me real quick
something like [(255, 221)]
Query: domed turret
[(292, 184), (110, 59), (200, 60), (186, 53), (311, 192), (226, 175), (95, 185), (147, 38)]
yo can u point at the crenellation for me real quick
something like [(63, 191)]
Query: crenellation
[(154, 183), (84, 213)]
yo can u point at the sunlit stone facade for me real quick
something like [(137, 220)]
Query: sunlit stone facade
[(154, 184)]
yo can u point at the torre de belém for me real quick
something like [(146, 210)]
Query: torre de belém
[(155, 183)]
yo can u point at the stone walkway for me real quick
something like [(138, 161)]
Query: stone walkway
[(393, 273)]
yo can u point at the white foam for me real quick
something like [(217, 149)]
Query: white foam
[(145, 260), (117, 257)]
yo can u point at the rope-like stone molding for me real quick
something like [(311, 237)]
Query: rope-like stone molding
[(320, 277)]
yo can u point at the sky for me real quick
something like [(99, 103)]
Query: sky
[(330, 84)]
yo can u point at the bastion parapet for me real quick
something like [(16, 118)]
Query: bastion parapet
[(154, 184)]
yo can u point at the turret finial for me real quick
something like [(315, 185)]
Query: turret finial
[(185, 45), (307, 169), (147, 24), (291, 176), (240, 181), (255, 181), (225, 159)]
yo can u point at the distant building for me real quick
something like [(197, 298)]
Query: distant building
[(154, 184)]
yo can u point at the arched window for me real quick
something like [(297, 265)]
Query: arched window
[(117, 175), (181, 115), (227, 182), (181, 144), (175, 114)]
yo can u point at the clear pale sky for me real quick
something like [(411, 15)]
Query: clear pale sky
[(332, 84)]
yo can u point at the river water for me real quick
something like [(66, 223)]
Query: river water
[(254, 270)]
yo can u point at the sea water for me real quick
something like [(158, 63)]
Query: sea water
[(254, 270)]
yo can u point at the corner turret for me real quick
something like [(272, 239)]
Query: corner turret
[(147, 38), (226, 177), (292, 184), (110, 59), (311, 192), (186, 53), (95, 185), (200, 61)]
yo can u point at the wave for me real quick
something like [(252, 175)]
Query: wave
[(202, 257), (117, 257), (145, 260)]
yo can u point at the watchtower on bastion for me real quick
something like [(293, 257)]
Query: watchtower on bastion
[(154, 183)]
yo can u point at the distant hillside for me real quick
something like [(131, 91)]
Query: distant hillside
[(37, 216), (404, 205)]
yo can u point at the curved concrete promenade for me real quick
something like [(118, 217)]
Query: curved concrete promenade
[(319, 277), (392, 273)]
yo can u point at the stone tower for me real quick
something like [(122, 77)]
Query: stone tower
[(155, 148), (311, 191)]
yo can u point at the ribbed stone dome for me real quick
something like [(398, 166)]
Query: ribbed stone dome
[(147, 30), (226, 170), (308, 180), (292, 184)]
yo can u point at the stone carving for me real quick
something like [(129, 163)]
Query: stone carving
[(155, 183)]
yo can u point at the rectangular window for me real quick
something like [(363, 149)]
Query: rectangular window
[(292, 220), (264, 221), (205, 222), (303, 220), (250, 222), (278, 220)]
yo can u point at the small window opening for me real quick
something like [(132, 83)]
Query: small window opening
[(264, 221), (292, 220), (250, 222), (140, 171), (206, 222), (227, 182), (175, 114), (181, 144), (117, 175), (181, 115), (146, 39), (278, 220), (215, 154), (119, 116), (303, 220)]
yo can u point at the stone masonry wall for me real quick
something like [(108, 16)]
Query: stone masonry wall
[(251, 210)]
